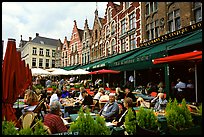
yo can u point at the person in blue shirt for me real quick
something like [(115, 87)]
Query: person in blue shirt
[(65, 93)]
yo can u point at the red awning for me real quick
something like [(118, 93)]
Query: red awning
[(195, 55), (103, 71)]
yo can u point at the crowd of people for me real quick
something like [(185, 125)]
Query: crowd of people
[(115, 107)]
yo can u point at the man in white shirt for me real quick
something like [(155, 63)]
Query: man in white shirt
[(180, 85)]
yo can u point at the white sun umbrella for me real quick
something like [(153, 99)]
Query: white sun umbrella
[(59, 71), (80, 72), (39, 71)]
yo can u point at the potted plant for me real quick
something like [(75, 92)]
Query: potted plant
[(179, 119), (86, 125), (8, 128), (147, 122), (130, 123)]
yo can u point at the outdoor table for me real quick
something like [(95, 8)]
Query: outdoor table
[(145, 97)]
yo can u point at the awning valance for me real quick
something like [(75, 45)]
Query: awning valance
[(195, 55)]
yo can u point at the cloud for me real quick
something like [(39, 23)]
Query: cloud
[(49, 19)]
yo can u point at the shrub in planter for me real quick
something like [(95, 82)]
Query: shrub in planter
[(26, 131), (8, 128), (147, 119), (130, 122), (86, 125), (39, 129), (178, 115)]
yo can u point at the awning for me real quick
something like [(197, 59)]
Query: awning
[(106, 61), (70, 67), (142, 58), (195, 55)]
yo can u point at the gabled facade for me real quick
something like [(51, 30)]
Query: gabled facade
[(122, 27), (97, 48), (86, 43), (160, 18), (111, 31), (129, 23), (75, 46), (40, 52), (65, 58)]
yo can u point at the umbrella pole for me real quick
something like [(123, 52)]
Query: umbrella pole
[(103, 81), (196, 84)]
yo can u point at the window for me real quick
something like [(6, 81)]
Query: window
[(85, 58), (72, 48), (151, 7), (132, 42), (40, 62), (152, 30), (107, 31), (113, 28), (34, 51), (174, 20), (132, 21), (147, 7), (122, 45), (42, 42), (96, 34), (41, 52), (34, 62), (127, 5), (53, 63), (109, 14), (123, 26), (76, 59), (47, 52), (47, 63), (197, 11), (113, 44), (53, 53), (75, 47), (88, 55), (87, 44)]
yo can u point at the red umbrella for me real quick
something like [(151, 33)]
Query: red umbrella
[(14, 79), (103, 71)]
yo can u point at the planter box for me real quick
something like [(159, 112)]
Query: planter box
[(143, 131), (196, 130)]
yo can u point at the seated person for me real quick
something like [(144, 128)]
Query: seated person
[(111, 109), (128, 93), (87, 99), (65, 92), (55, 96), (98, 94), (160, 101), (105, 96), (128, 104), (53, 119), (142, 103), (119, 94), (31, 99)]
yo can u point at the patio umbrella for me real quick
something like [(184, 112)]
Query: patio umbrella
[(13, 71), (59, 71), (39, 71), (80, 72)]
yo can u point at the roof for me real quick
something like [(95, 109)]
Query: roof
[(47, 41), (22, 43)]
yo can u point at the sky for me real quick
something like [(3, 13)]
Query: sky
[(49, 19)]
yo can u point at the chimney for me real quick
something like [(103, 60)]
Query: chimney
[(30, 38), (21, 37), (37, 34)]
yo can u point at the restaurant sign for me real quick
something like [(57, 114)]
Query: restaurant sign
[(171, 35)]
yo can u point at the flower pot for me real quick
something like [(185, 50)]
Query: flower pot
[(195, 130)]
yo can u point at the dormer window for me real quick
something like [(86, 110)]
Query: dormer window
[(127, 5), (42, 42)]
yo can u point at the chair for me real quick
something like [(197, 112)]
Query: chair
[(27, 119), (39, 108)]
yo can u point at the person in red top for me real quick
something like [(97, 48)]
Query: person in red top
[(53, 119)]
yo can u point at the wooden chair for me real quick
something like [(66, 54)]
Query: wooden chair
[(39, 108), (27, 119)]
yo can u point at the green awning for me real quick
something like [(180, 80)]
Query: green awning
[(142, 58), (70, 67), (107, 61), (104, 62)]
